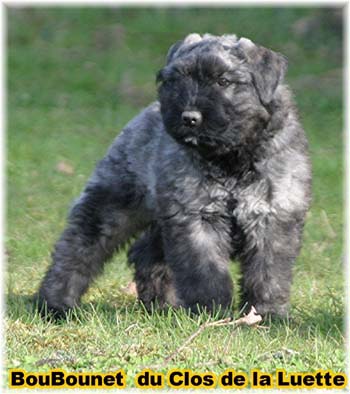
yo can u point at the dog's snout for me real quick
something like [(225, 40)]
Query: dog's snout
[(191, 118)]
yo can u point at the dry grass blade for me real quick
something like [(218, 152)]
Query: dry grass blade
[(330, 232)]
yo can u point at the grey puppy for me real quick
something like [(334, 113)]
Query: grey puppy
[(218, 168)]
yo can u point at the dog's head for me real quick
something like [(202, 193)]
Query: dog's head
[(215, 91)]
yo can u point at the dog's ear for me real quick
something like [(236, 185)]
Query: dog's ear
[(268, 68), (175, 49)]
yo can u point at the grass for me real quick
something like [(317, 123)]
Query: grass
[(75, 77)]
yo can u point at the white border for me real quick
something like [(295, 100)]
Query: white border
[(176, 3), (2, 182), (347, 182)]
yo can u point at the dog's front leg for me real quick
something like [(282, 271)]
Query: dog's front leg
[(271, 247), (198, 253)]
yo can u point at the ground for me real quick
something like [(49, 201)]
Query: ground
[(75, 77)]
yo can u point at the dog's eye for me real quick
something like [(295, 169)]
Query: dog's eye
[(223, 82)]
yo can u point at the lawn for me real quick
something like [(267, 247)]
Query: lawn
[(75, 77)]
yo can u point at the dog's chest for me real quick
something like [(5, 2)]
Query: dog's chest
[(241, 200)]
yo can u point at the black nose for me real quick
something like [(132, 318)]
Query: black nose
[(191, 118)]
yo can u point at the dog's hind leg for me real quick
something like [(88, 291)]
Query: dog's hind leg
[(198, 254), (105, 216), (153, 278)]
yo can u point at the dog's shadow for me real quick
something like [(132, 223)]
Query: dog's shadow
[(26, 307), (320, 321)]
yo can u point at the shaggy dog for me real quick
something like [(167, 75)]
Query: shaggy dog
[(218, 168)]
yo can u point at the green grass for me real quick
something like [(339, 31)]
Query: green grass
[(75, 77)]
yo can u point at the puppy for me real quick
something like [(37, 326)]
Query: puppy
[(218, 168)]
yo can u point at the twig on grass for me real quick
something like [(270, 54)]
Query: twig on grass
[(251, 319), (200, 329)]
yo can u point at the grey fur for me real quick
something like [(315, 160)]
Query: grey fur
[(235, 185)]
